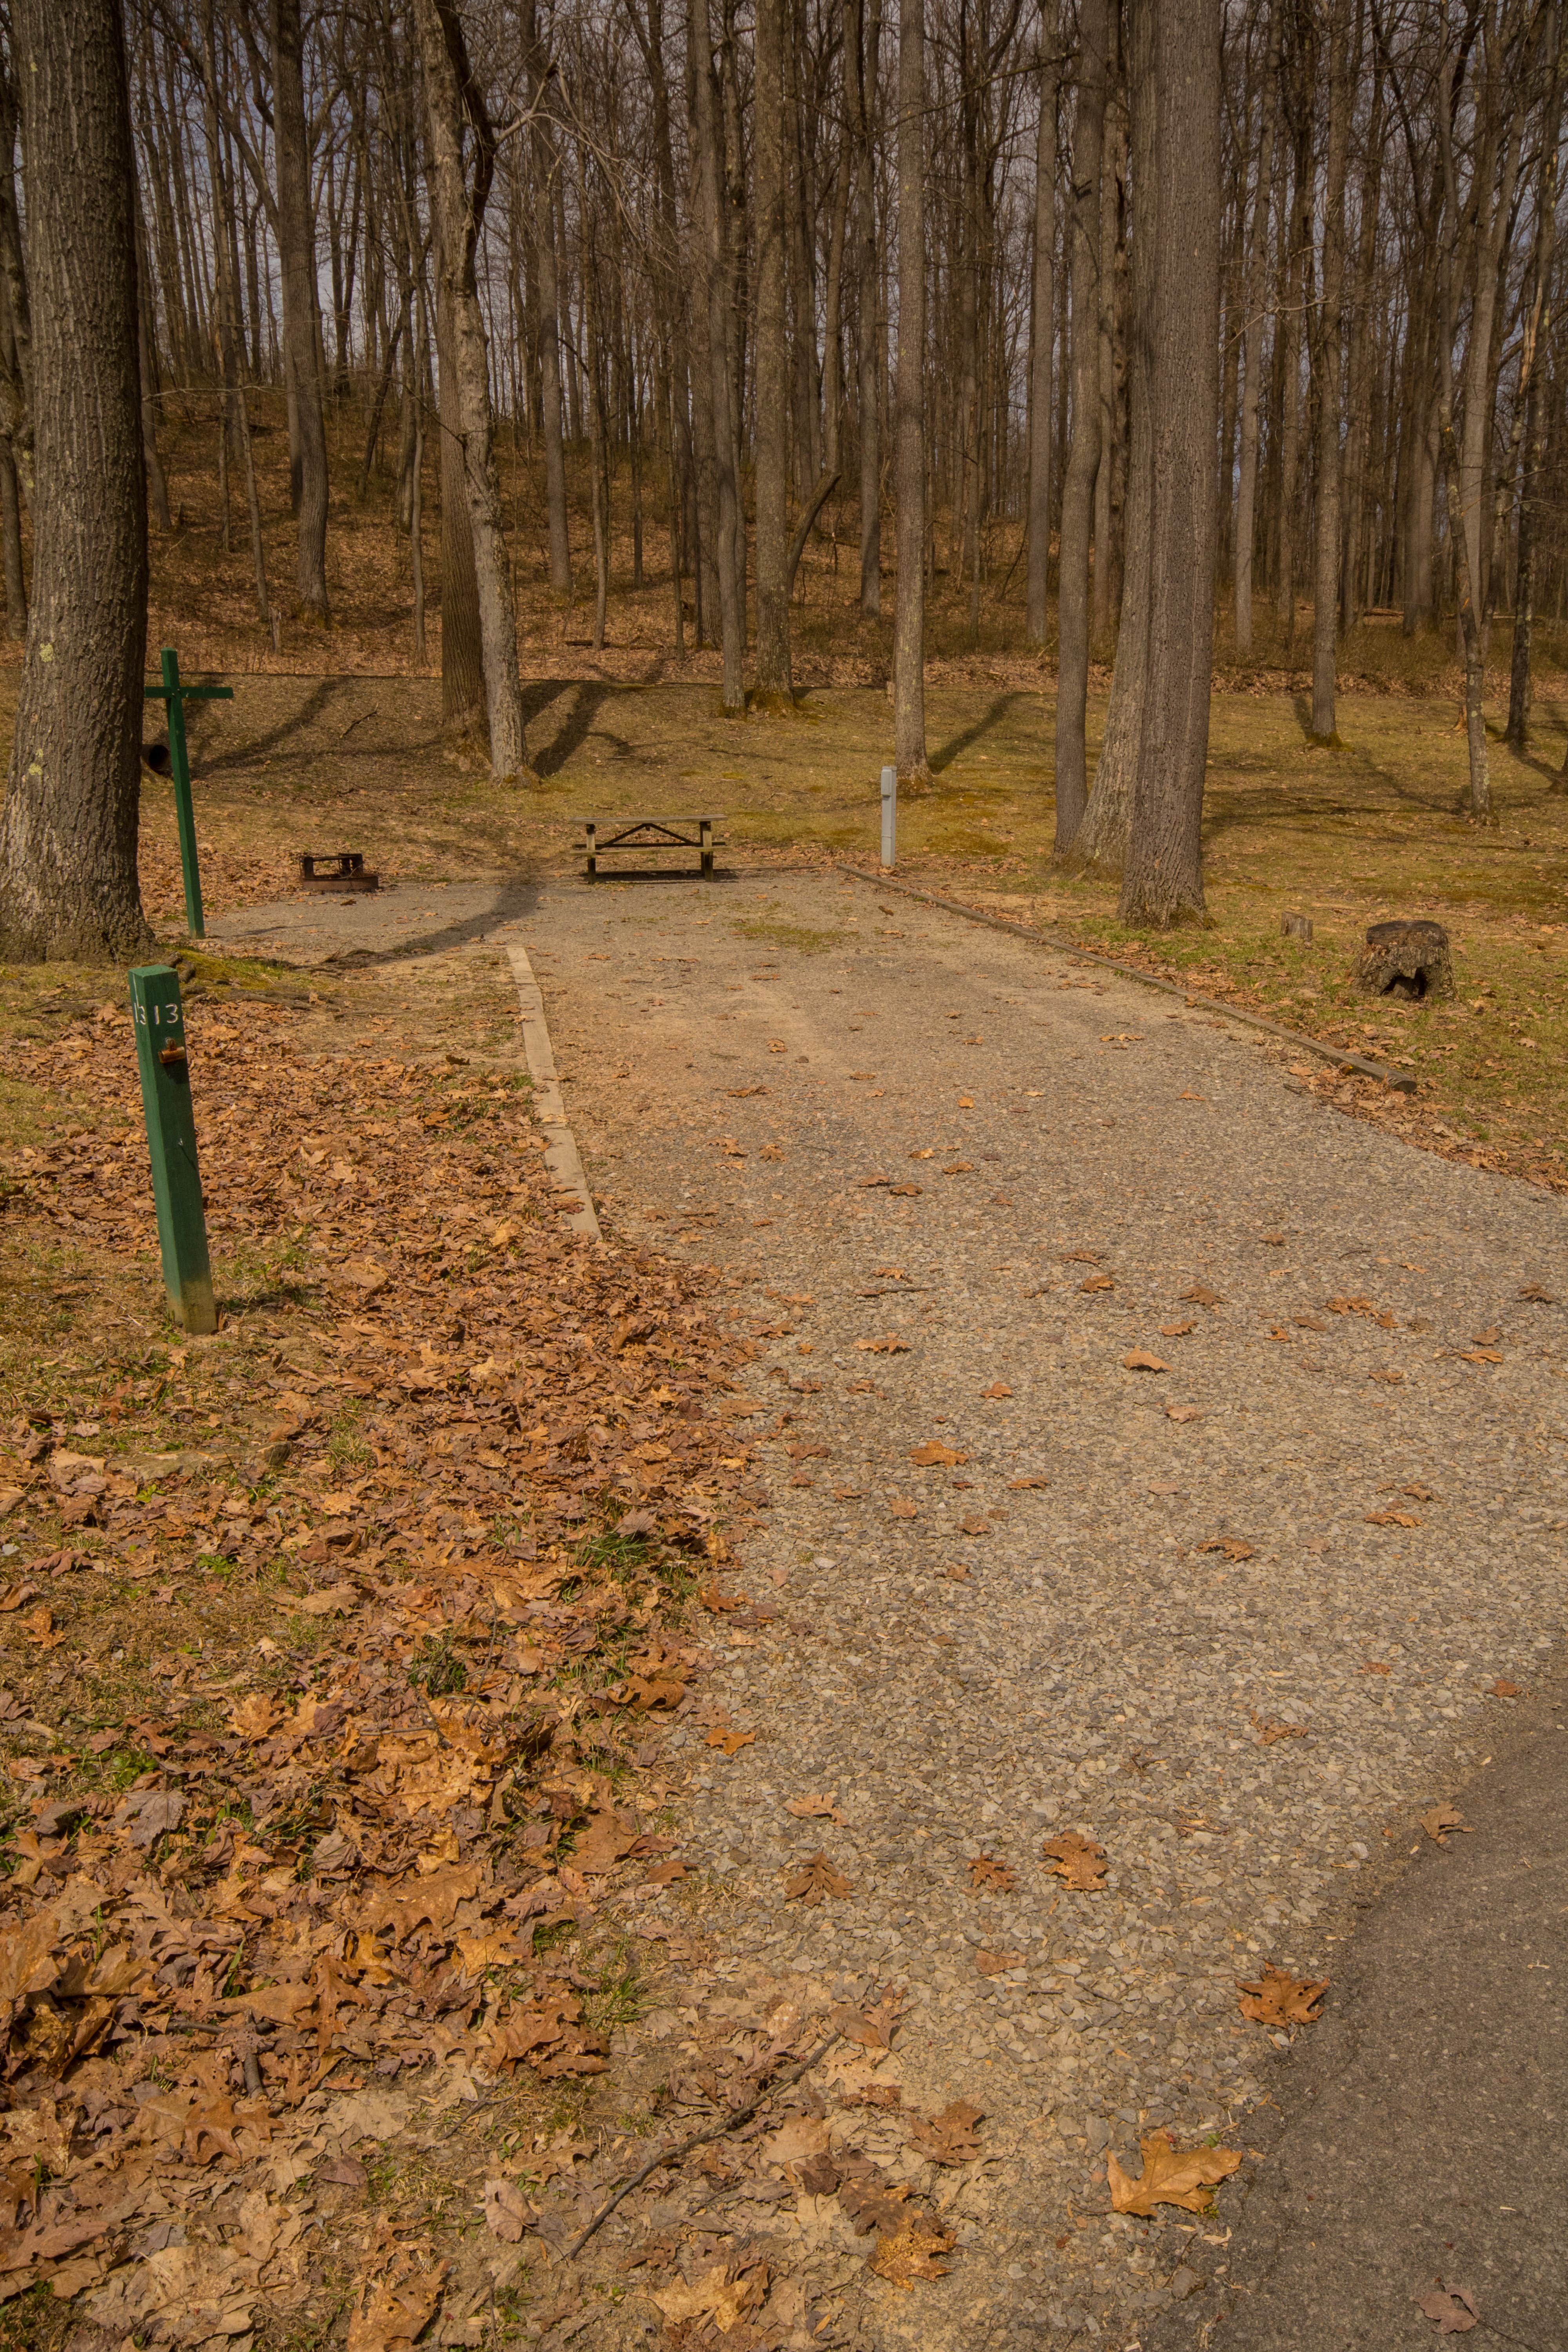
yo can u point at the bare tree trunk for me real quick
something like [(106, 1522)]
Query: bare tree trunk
[(1538, 324), (1258, 275), (1083, 459), (716, 288), (867, 29), (416, 477), (1042, 331), (452, 100), (1101, 838), (297, 270), (1328, 354), (1163, 880), (1106, 517), (67, 833), (772, 388), (1359, 392), (910, 452), (548, 287)]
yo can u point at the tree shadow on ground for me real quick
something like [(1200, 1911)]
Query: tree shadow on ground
[(990, 717), (575, 728), (323, 695)]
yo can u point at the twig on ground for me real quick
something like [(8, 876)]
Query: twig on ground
[(726, 2123)]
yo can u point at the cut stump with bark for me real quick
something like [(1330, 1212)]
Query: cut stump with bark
[(1409, 960)]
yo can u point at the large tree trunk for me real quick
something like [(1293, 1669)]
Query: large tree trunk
[(1163, 880), (297, 271), (909, 450), (863, 39), (1083, 459), (68, 835), (1101, 838), (1042, 331), (1328, 355), (452, 98), (729, 541), (462, 642), (773, 386), (548, 289), (1253, 324), (1532, 423)]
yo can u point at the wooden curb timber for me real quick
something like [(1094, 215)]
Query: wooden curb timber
[(560, 1156), (1395, 1080)]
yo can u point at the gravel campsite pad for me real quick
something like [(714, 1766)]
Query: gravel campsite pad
[(1144, 1457)]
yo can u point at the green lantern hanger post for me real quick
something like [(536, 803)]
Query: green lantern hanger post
[(160, 1024), (176, 696)]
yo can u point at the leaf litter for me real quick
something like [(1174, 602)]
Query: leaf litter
[(344, 1879)]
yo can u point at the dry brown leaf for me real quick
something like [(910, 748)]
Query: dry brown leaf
[(1076, 1861), (900, 1509), (1183, 1412), (391, 2313), (1029, 1482), (1268, 1732), (1392, 1519), (1376, 1666), (1277, 1998), (816, 1808), (873, 2028), (1097, 1282), (997, 1389), (732, 1742), (949, 2137), (1200, 1294), (1232, 1547), (1534, 1290), (506, 2211), (1454, 2307), (715, 1601), (985, 1871), (1502, 1689), (796, 2141), (996, 1964), (934, 1456), (716, 2296), (814, 1879), (891, 1345), (905, 2255), (1169, 2176), (1176, 1330), (1440, 1820), (1140, 1361)]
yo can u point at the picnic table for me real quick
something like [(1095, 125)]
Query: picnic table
[(651, 834)]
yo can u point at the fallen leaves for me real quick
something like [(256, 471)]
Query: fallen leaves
[(934, 1456), (1176, 1330), (393, 2312), (1440, 1821), (732, 1742), (1393, 1520), (949, 2138), (891, 1346), (816, 1808), (1097, 1282), (1269, 1731), (1503, 1688), (814, 1882), (1278, 1997), (986, 1872), (1200, 1294), (1076, 1861), (1183, 1412), (1169, 2176), (721, 2295), (1453, 2307), (1020, 1484), (909, 2254), (1534, 1291), (1234, 1546), (996, 1389), (996, 1964), (506, 2211), (1140, 1361)]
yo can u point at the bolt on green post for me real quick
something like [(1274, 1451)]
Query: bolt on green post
[(160, 1023)]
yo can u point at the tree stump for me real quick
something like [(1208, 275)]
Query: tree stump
[(1297, 927), (1408, 959)]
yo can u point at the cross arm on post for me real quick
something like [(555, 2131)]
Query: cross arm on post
[(175, 695)]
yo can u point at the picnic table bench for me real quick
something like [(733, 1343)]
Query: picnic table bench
[(651, 834)]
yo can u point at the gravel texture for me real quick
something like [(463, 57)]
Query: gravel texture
[(994, 1661)]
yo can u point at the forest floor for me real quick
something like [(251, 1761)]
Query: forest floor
[(372, 1608), (1346, 837)]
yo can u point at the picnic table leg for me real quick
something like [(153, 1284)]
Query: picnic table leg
[(706, 838), (592, 844)]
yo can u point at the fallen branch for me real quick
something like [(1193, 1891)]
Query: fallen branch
[(728, 2123)]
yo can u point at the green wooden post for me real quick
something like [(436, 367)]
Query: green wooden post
[(176, 696), (160, 1023)]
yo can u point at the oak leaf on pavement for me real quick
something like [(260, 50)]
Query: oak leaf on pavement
[(1439, 1821), (949, 2137), (910, 2254), (934, 1456), (1140, 1361), (1451, 2305), (1277, 1998), (1171, 2176), (984, 1870), (1076, 1861), (814, 1880)]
